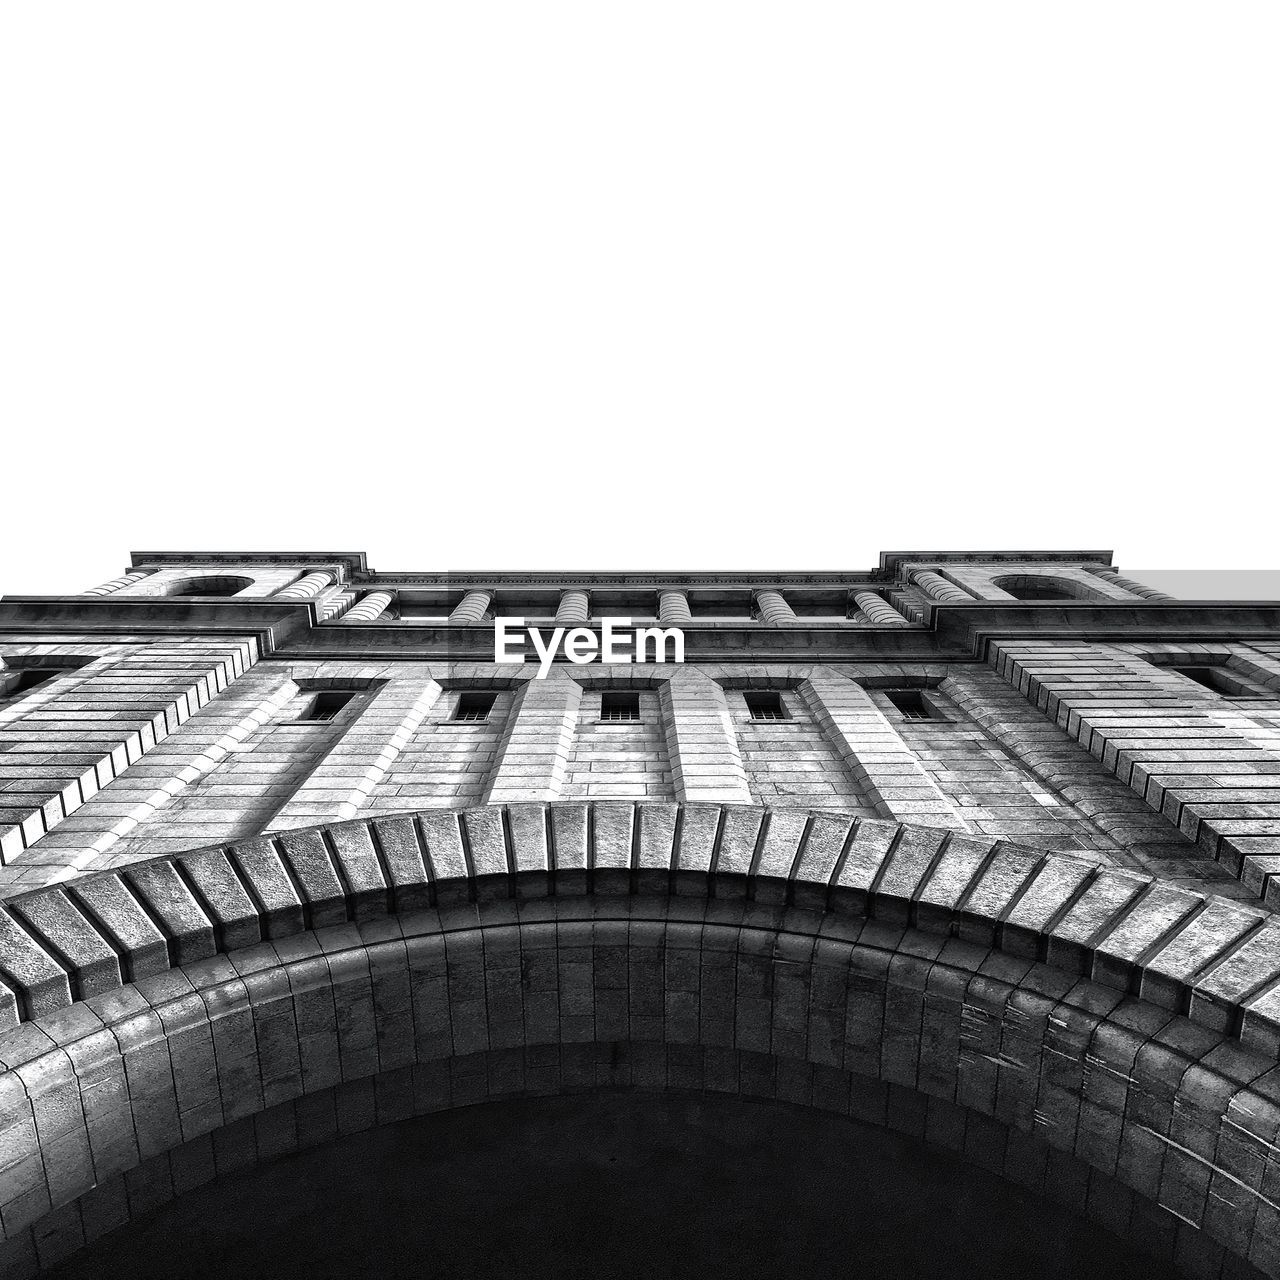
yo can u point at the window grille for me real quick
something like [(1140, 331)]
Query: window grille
[(619, 706), (909, 703), (326, 704), (765, 705), (474, 707)]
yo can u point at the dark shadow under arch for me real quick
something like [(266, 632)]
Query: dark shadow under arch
[(621, 1183), (219, 584), (1043, 586)]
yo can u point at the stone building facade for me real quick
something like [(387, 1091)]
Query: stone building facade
[(978, 847)]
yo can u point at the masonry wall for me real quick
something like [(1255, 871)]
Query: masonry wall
[(1208, 764), (443, 762), (232, 758), (94, 728), (792, 761), (1013, 773), (247, 764), (247, 757), (619, 760)]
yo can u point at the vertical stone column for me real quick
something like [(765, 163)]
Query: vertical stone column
[(473, 607), (673, 608), (706, 764), (575, 606), (883, 765), (1127, 584), (773, 607), (534, 750), (368, 607), (938, 588), (343, 780), (117, 584), (878, 610), (306, 587)]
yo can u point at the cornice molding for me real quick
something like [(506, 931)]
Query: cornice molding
[(892, 563), (353, 562)]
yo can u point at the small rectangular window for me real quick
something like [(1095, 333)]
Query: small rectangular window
[(619, 706), (474, 707), (909, 703), (1221, 681), (765, 705), (17, 681), (327, 703), (20, 674)]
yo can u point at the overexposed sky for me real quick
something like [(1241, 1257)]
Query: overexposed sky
[(675, 285)]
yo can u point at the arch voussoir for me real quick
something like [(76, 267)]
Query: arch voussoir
[(404, 964)]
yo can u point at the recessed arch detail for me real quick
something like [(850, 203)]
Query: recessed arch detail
[(227, 982), (208, 584), (1044, 586)]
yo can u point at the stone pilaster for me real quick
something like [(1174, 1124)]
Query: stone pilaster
[(701, 744), (534, 750), (341, 784), (882, 764)]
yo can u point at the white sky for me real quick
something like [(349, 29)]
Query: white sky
[(667, 285)]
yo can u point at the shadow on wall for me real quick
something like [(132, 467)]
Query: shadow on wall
[(614, 1186)]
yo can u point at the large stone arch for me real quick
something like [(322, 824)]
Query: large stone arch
[(1113, 1038)]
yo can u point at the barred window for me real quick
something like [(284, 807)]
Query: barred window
[(909, 703), (619, 706), (326, 704), (765, 704), (475, 706)]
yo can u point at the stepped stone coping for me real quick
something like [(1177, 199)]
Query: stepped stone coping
[(1214, 960)]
